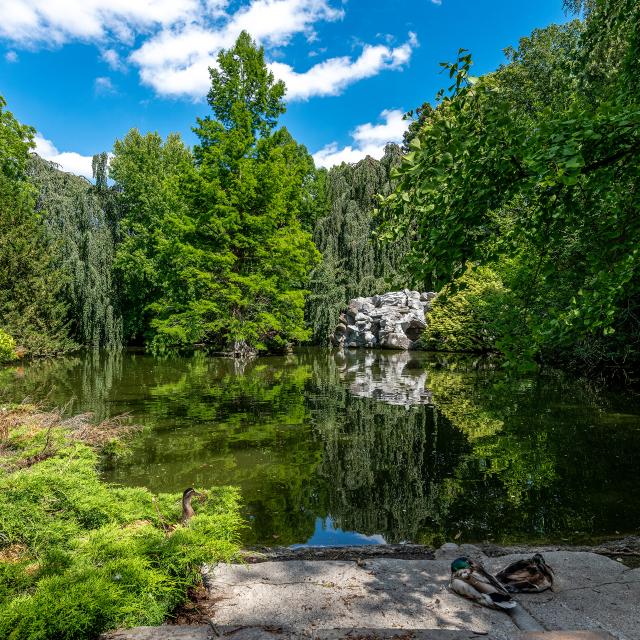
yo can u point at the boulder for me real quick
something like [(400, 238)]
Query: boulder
[(392, 320)]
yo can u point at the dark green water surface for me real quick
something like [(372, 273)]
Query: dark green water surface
[(367, 446)]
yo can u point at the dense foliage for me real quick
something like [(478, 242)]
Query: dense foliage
[(154, 224), (477, 314), (31, 310), (79, 556), (353, 263), (7, 347), (79, 222), (533, 170), (211, 247), (214, 250)]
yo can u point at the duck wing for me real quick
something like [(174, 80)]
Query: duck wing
[(485, 583)]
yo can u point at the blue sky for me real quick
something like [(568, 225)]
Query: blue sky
[(83, 72)]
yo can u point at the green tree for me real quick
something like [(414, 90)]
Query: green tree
[(354, 263), (213, 249), (75, 215), (533, 170), (154, 226), (31, 310), (327, 298), (249, 257)]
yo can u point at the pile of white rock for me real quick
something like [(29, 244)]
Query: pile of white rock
[(393, 320)]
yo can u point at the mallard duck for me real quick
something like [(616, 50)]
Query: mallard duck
[(527, 576), (187, 509), (470, 580)]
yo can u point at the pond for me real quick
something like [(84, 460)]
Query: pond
[(366, 446)]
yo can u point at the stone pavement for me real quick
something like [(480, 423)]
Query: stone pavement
[(207, 632), (408, 600)]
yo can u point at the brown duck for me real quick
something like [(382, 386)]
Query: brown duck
[(187, 509), (532, 575)]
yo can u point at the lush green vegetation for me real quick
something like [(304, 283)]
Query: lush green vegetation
[(214, 249), (210, 246), (532, 172), (31, 310), (79, 221), (515, 195), (79, 556), (7, 347), (353, 263)]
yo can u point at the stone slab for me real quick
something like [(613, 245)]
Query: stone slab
[(376, 594), (165, 632), (233, 632), (592, 593)]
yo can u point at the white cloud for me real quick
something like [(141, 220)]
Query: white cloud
[(176, 61), (368, 140), (103, 86), (438, 2), (112, 58), (11, 56), (69, 161), (174, 42), (330, 77), (38, 22)]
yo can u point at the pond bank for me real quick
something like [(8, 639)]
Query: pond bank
[(397, 598), (625, 549)]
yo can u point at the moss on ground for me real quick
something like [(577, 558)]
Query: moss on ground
[(79, 556)]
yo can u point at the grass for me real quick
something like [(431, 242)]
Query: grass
[(79, 556)]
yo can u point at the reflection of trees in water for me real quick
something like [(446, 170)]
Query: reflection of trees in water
[(384, 466), (215, 424), (493, 456), (542, 456), (78, 383)]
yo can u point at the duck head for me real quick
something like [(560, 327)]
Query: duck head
[(463, 562)]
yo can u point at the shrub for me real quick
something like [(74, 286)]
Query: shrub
[(7, 347), (79, 556), (475, 313)]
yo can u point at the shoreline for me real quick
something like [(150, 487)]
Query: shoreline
[(627, 547)]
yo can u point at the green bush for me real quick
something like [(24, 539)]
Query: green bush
[(79, 556), (476, 313), (7, 347)]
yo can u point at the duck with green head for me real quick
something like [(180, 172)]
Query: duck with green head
[(470, 580)]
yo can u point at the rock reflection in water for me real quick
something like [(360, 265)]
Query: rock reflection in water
[(398, 378)]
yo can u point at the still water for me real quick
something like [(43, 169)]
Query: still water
[(366, 447)]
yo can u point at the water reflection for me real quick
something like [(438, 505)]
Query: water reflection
[(403, 446), (326, 534), (398, 378)]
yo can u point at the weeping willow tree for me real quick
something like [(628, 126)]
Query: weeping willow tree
[(80, 222), (30, 309), (353, 263)]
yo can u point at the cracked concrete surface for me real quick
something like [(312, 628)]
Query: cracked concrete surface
[(595, 598)]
